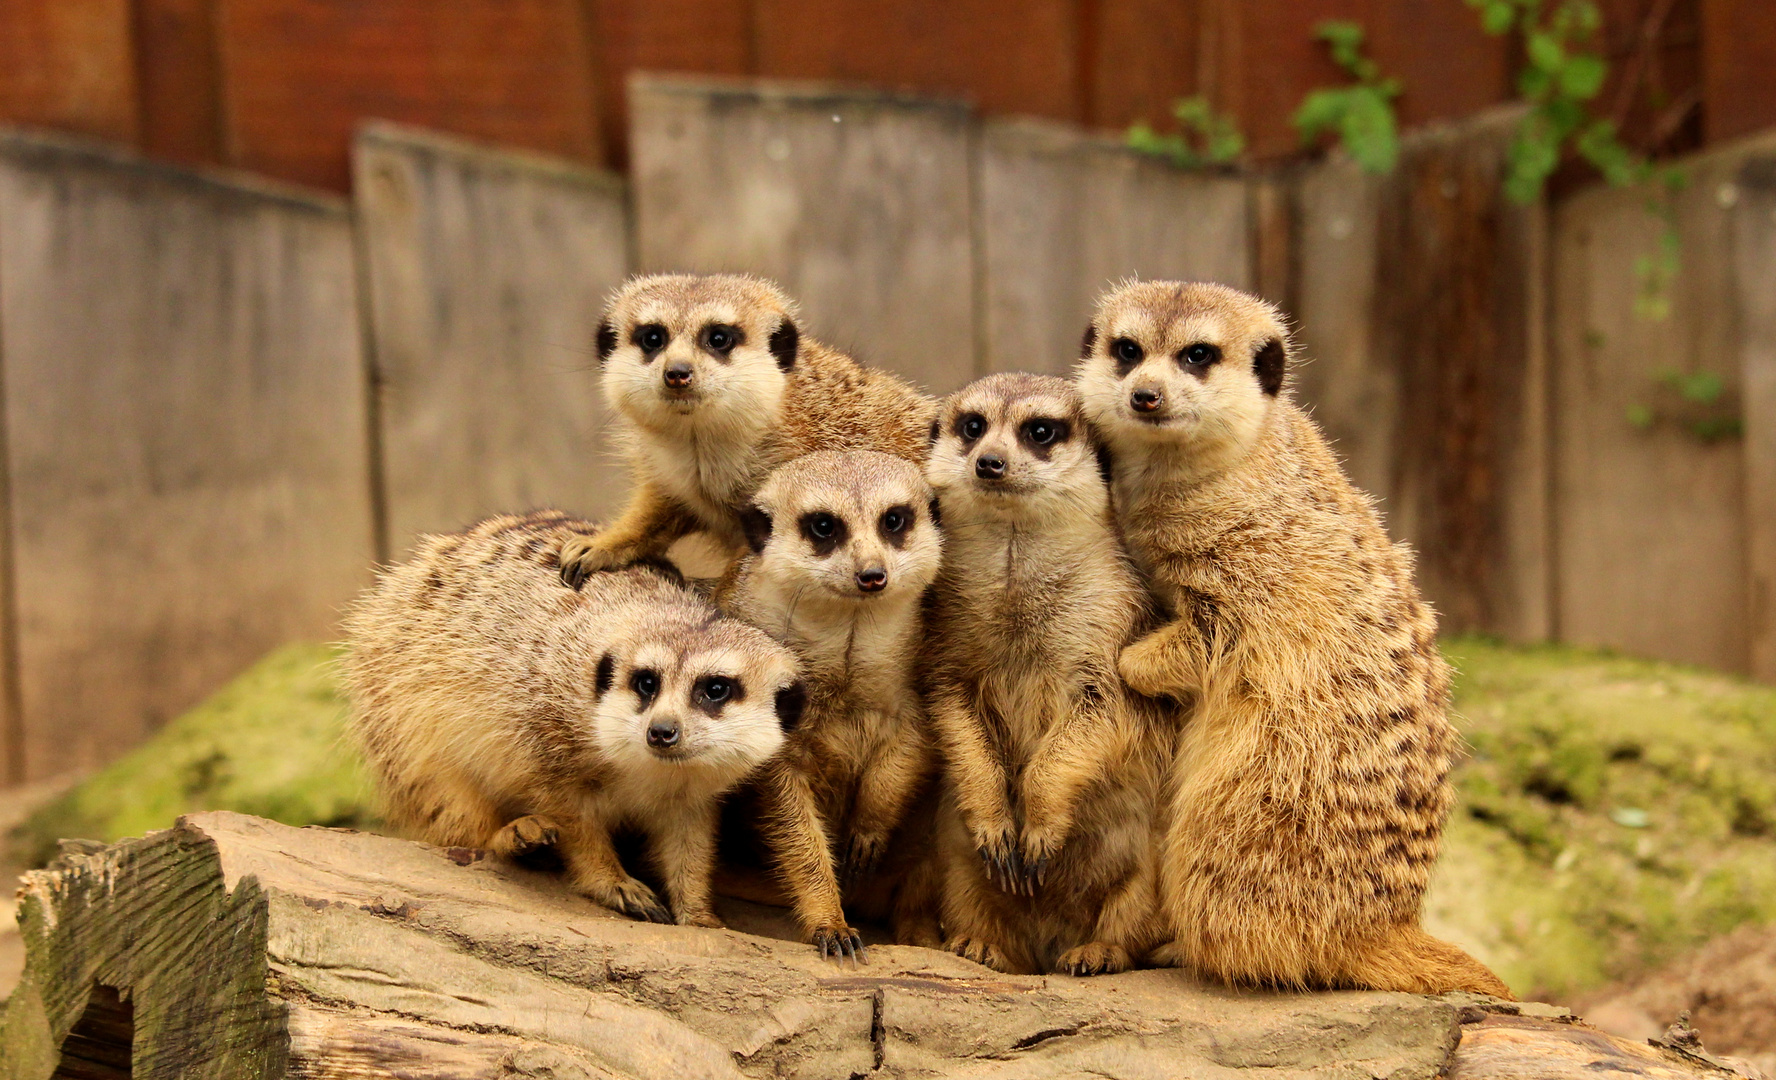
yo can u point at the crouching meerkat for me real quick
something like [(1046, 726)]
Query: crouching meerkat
[(1311, 783), (714, 386), (842, 547), (1054, 771), (500, 709)]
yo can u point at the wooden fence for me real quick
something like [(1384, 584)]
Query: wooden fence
[(222, 403)]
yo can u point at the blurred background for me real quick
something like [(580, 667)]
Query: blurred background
[(284, 283)]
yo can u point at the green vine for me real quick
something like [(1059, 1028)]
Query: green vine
[(1697, 402), (1204, 138), (1361, 114)]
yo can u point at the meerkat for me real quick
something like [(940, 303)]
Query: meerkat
[(1311, 782), (1054, 770), (714, 386), (841, 549), (501, 710)]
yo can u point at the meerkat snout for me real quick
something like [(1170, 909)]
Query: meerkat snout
[(1145, 399)]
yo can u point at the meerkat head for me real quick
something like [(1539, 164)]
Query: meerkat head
[(853, 526), (1015, 445), (697, 350), (681, 687), (1194, 365)]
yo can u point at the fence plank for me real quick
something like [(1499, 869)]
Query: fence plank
[(486, 271), (1065, 214), (1754, 248), (1652, 536), (186, 435), (857, 203)]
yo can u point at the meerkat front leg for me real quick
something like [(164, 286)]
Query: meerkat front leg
[(978, 778), (1073, 753), (1170, 662), (594, 869), (683, 849), (799, 841), (649, 525), (888, 780)]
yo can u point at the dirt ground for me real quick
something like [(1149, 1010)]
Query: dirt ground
[(1728, 986)]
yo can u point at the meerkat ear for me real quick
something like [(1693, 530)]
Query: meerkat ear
[(1106, 468), (791, 700), (1089, 342), (784, 341), (936, 514), (607, 671), (756, 524), (934, 431), (607, 340), (1268, 366)]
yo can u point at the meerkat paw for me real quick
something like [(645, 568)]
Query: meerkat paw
[(837, 941), (1171, 954), (633, 899), (705, 919), (1094, 958), (1142, 668), (863, 855), (984, 953), (581, 557), (1040, 849), (525, 836), (1000, 858)]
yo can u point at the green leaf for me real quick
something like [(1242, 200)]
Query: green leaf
[(1582, 77), (1368, 130), (1545, 52), (1641, 416), (1320, 112), (1496, 16)]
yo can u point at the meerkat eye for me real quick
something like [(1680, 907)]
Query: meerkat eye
[(1127, 351), (720, 339), (1042, 432), (971, 427), (646, 685), (651, 338), (716, 689), (894, 521), (823, 526), (1200, 354)]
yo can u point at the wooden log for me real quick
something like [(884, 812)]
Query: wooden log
[(185, 436), (230, 946), (486, 272), (1064, 214), (857, 202)]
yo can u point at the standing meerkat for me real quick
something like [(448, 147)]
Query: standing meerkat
[(842, 547), (1312, 782), (499, 709), (716, 386), (1054, 771)]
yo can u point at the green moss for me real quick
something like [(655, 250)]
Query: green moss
[(269, 743), (1612, 812)]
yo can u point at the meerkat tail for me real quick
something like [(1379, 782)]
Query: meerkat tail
[(1414, 961)]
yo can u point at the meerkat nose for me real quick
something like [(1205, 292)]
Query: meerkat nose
[(874, 579), (678, 375), (989, 466), (663, 733), (1146, 400)]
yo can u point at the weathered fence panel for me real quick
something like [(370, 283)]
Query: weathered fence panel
[(185, 435), (1419, 299), (858, 203), (1064, 214), (486, 271), (1651, 486), (1754, 248)]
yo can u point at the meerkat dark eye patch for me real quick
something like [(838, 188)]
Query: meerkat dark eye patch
[(604, 676), (1268, 366), (791, 701), (756, 524), (824, 531), (934, 433), (784, 342), (719, 339), (646, 684), (1042, 434), (970, 426), (650, 338), (713, 692), (1089, 341), (1127, 352), (606, 339), (936, 515), (896, 525), (1198, 358)]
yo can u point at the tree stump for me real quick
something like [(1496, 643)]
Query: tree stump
[(229, 946)]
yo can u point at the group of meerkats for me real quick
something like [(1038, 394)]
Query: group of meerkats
[(1060, 676)]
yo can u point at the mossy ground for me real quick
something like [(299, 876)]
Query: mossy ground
[(1612, 812)]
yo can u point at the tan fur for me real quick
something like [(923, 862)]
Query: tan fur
[(1053, 771), (1311, 783), (500, 709), (831, 801), (700, 451)]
